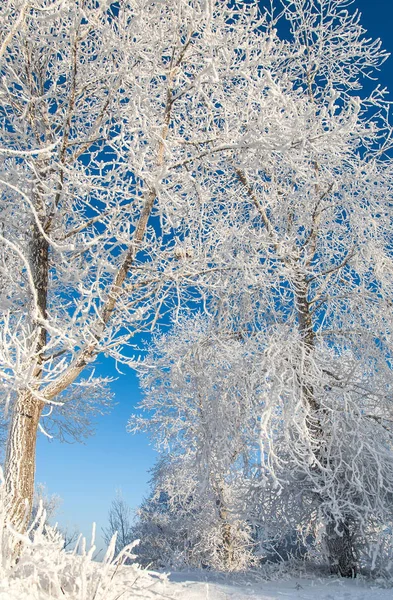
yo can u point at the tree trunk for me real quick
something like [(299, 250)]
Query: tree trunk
[(27, 409), (21, 450), (227, 550), (339, 544), (338, 537), (227, 545), (20, 458)]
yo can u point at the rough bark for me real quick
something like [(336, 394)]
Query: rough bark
[(227, 544), (20, 458), (340, 549)]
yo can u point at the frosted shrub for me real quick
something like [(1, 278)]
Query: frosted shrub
[(35, 566), (173, 538)]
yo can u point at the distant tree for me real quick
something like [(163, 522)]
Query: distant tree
[(69, 536), (119, 523), (47, 505), (44, 502), (164, 539)]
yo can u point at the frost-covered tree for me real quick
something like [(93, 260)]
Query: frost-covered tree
[(149, 148), (305, 237), (43, 501), (311, 229), (213, 502), (43, 514), (199, 390), (116, 121), (165, 538)]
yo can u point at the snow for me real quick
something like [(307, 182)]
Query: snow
[(131, 583), (291, 589), (191, 157), (45, 571)]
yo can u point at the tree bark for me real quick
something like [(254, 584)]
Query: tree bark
[(20, 458), (225, 528), (227, 544), (338, 537), (340, 550), (27, 409)]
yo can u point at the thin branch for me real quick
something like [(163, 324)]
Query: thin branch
[(333, 269)]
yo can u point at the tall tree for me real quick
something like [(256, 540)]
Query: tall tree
[(116, 119), (304, 233), (311, 226), (119, 523)]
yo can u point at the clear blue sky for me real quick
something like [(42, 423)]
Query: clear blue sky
[(87, 476)]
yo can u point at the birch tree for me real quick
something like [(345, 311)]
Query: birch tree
[(115, 122)]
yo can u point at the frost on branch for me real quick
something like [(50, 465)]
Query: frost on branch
[(159, 156), (309, 273), (305, 253), (199, 395), (115, 123)]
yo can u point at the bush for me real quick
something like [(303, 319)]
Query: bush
[(35, 566)]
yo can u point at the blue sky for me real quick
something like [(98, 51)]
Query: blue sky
[(87, 476)]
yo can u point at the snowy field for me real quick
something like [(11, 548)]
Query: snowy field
[(130, 583), (43, 570), (35, 566), (189, 588)]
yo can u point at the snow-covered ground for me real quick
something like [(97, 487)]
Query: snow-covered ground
[(34, 566), (131, 583), (190, 588)]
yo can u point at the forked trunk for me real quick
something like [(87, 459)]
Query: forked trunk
[(20, 459)]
